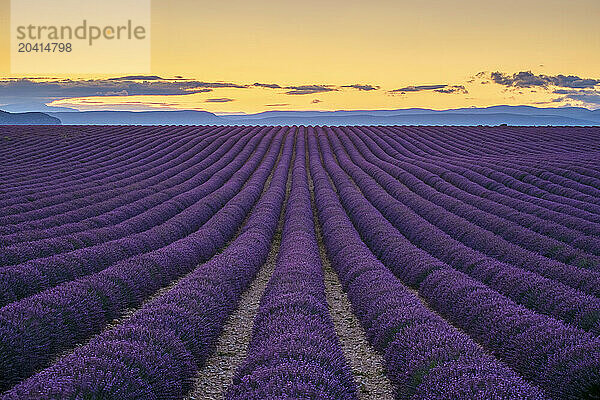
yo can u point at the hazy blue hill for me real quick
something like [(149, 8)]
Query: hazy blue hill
[(34, 107), (424, 118), (138, 118), (496, 115), (468, 115), (29, 118), (569, 112)]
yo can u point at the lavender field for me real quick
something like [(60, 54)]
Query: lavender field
[(204, 262)]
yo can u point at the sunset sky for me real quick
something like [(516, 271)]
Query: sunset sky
[(342, 54)]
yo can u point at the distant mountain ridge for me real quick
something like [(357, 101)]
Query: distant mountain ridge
[(28, 118), (184, 117), (526, 115), (424, 119), (495, 115)]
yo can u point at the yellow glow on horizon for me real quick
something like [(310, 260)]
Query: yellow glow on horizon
[(391, 43), (254, 100)]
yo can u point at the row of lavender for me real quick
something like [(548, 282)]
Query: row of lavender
[(155, 353), (169, 220), (294, 352), (392, 201), (93, 248), (573, 167), (575, 248), (464, 246), (425, 356), (161, 168), (558, 357), (58, 158), (37, 328)]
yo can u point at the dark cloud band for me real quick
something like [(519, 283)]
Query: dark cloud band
[(446, 89), (309, 89), (588, 97), (362, 88), (219, 100), (527, 79)]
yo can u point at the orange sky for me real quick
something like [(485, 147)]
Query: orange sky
[(386, 43)]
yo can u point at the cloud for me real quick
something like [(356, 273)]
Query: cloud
[(446, 89), (453, 89), (24, 88), (519, 79), (567, 91), (267, 85), (418, 88), (574, 82), (221, 100), (589, 98), (137, 78), (15, 90), (314, 88), (527, 79), (309, 89), (119, 93), (219, 85), (362, 88)]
